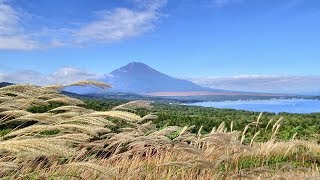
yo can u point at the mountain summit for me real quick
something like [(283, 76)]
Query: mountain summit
[(137, 77), (134, 68)]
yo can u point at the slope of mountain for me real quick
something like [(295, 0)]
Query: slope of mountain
[(139, 78)]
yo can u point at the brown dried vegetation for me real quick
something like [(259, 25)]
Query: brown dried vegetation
[(71, 142)]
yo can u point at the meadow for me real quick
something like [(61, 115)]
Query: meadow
[(48, 135)]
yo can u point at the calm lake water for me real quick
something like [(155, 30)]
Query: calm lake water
[(303, 106)]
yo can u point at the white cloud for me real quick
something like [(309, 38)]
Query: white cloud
[(116, 25), (109, 26), (120, 23), (23, 76), (8, 19), (69, 74), (61, 76), (12, 35), (18, 42), (264, 83)]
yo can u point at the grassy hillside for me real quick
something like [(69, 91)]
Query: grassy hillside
[(47, 135)]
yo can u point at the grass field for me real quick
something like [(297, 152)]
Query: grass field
[(47, 135)]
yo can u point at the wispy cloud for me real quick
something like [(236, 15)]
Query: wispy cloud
[(116, 25), (12, 33), (64, 75), (110, 25), (8, 19), (18, 42), (120, 23), (264, 83)]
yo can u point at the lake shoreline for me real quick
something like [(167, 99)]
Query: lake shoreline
[(293, 105)]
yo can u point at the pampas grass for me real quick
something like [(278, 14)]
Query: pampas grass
[(134, 105), (14, 113), (118, 114), (35, 147), (72, 109), (5, 99), (43, 118), (97, 84), (75, 138), (68, 101), (64, 128), (20, 88), (88, 120), (72, 142)]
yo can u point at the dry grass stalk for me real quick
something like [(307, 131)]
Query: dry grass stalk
[(271, 120), (118, 114), (276, 124), (88, 120), (43, 118), (14, 113), (72, 109), (244, 133), (92, 83), (68, 101), (35, 147), (133, 105), (254, 136)]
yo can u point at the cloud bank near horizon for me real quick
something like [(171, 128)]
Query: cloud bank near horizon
[(247, 83), (264, 83), (64, 75)]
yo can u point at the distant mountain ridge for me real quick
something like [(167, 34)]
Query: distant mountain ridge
[(139, 78), (4, 84)]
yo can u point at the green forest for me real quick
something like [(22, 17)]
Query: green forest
[(302, 126)]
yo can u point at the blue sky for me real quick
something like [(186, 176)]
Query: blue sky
[(197, 39)]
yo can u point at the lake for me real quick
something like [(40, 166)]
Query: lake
[(301, 106)]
